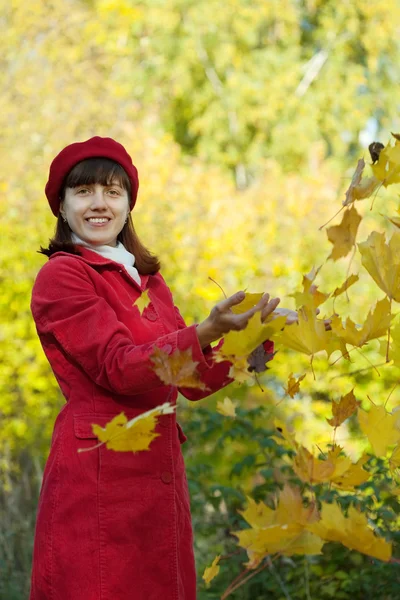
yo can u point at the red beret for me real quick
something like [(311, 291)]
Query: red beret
[(74, 153)]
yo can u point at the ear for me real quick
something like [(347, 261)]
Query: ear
[(62, 213)]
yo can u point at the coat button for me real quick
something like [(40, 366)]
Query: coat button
[(167, 348), (166, 476), (151, 317)]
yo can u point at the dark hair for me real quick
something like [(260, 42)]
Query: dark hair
[(103, 171)]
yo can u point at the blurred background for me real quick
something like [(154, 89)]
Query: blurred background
[(246, 121)]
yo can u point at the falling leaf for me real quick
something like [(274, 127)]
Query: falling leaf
[(387, 168), (257, 360), (382, 262), (239, 369), (226, 407), (310, 297), (354, 476), (375, 326), (335, 468), (143, 301), (355, 181), (314, 470), (343, 409), (343, 288), (242, 343), (309, 336), (135, 435), (177, 369), (293, 385), (360, 188), (380, 427), (352, 531), (211, 572), (343, 236), (281, 530), (249, 302)]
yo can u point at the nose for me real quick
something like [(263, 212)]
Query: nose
[(98, 200)]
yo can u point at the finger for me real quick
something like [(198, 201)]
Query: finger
[(231, 301), (269, 308), (260, 306)]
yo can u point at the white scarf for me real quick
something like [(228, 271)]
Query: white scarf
[(118, 254)]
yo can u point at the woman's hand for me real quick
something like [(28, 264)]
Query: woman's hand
[(222, 320)]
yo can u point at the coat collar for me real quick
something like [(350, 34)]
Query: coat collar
[(96, 260)]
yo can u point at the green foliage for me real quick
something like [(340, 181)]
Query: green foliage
[(337, 573)]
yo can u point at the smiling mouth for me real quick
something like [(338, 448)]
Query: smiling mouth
[(99, 220)]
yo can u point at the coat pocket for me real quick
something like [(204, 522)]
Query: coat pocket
[(83, 423)]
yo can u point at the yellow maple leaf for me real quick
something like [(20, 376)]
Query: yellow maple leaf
[(354, 476), (360, 188), (293, 385), (135, 435), (314, 470), (281, 530), (387, 168), (211, 572), (380, 427), (290, 508), (343, 409), (310, 297), (177, 369), (309, 336), (355, 181), (239, 369), (343, 236), (226, 407), (257, 514), (343, 288), (143, 301), (335, 468), (352, 531), (249, 301), (382, 261), (242, 343), (375, 326)]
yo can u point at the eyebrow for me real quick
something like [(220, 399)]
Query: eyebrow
[(113, 184)]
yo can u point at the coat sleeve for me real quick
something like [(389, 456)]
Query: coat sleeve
[(67, 309), (215, 377)]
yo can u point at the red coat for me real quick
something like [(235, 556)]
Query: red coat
[(112, 525)]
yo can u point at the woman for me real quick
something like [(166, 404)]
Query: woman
[(113, 525)]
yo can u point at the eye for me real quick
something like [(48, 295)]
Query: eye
[(80, 190), (114, 192)]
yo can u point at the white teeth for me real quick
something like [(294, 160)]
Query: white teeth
[(94, 220)]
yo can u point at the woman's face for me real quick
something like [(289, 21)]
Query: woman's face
[(96, 213)]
